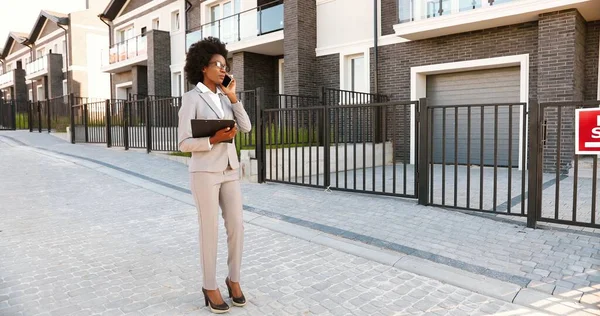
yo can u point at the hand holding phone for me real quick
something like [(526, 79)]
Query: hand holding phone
[(227, 81), (228, 87)]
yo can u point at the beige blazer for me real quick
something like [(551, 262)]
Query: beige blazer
[(198, 105)]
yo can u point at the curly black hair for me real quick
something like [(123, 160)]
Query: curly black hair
[(199, 56)]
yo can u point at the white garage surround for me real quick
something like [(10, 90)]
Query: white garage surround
[(418, 86)]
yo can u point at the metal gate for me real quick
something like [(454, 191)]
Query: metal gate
[(453, 158), (343, 140), (566, 184)]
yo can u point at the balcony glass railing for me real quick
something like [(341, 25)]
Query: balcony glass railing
[(412, 10), (37, 65), (127, 49), (255, 22), (6, 78)]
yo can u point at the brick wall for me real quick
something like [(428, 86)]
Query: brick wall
[(159, 61), (591, 60), (300, 34), (396, 60), (561, 52), (389, 16), (255, 70), (328, 71)]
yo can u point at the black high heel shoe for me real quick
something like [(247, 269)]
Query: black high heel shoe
[(237, 301), (217, 309)]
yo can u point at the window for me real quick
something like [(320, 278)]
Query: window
[(30, 95), (281, 76), (55, 50), (40, 53), (65, 87), (356, 74), (40, 93), (226, 28), (125, 34), (155, 24), (177, 84), (175, 26), (405, 10)]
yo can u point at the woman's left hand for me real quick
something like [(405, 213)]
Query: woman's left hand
[(230, 91)]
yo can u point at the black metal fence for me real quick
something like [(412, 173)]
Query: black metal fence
[(7, 116), (334, 141), (501, 158), (565, 185)]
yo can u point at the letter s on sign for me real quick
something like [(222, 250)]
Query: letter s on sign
[(596, 132)]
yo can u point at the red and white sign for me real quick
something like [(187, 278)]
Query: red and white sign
[(587, 131)]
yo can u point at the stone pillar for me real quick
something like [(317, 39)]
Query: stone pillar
[(139, 76), (54, 85), (300, 42), (20, 85), (159, 63), (561, 77)]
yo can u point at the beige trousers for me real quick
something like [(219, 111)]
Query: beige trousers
[(211, 190)]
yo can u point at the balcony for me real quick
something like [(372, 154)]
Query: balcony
[(37, 68), (258, 30), (421, 19), (122, 56), (6, 80)]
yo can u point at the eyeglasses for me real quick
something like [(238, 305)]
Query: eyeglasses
[(221, 66)]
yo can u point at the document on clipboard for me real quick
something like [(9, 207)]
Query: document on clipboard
[(208, 128)]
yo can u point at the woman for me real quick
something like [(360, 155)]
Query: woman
[(214, 165)]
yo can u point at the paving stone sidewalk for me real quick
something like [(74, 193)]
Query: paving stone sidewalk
[(75, 241), (556, 261)]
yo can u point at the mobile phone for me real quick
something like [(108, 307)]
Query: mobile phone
[(226, 81)]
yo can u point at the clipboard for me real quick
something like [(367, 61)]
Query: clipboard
[(208, 128)]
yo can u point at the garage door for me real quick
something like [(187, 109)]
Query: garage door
[(488, 86)]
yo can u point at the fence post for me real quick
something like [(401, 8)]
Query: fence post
[(260, 133), (126, 124), (423, 152), (30, 115), (325, 130), (534, 164), (148, 107), (108, 115), (378, 122), (72, 115), (322, 102), (39, 115), (85, 122), (13, 106), (48, 109)]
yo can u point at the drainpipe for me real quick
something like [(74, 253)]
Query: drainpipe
[(110, 43), (33, 88), (67, 59), (375, 36)]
